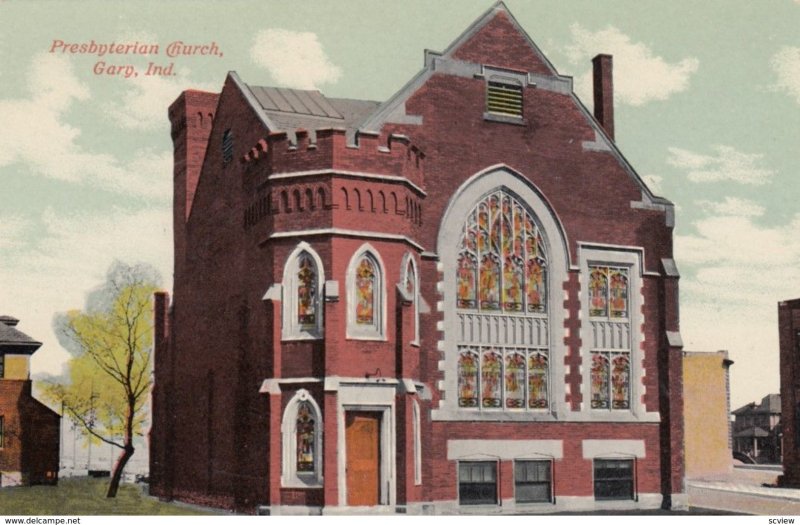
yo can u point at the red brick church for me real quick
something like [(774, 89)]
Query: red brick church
[(461, 299)]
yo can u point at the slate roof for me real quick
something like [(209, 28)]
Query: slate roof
[(12, 339), (752, 432), (291, 109), (770, 404)]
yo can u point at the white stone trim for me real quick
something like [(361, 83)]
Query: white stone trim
[(376, 331), (344, 233), (409, 261), (416, 429), (505, 449), (461, 203), (348, 174), (289, 474), (290, 329), (273, 386), (372, 397), (613, 448)]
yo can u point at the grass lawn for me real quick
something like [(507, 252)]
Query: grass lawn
[(85, 496)]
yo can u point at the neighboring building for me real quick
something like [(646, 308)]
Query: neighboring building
[(757, 430), (461, 298), (80, 457), (789, 337), (28, 429), (706, 410)]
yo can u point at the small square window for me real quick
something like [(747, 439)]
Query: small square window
[(477, 482), (532, 481), (613, 479), (504, 98)]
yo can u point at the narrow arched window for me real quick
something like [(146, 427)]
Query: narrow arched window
[(366, 295), (305, 432), (302, 302), (365, 292), (301, 435), (411, 289), (306, 291)]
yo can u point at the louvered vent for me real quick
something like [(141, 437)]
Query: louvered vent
[(227, 146), (504, 99)]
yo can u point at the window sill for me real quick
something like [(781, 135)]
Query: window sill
[(300, 484), (301, 337), (505, 119), (366, 337)]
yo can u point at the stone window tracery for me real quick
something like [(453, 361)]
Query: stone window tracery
[(501, 286)]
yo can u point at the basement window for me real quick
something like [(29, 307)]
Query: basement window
[(504, 98), (477, 483), (613, 479)]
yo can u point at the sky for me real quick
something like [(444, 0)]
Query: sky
[(707, 101)]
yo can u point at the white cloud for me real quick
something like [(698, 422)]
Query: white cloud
[(654, 183), (734, 274), (733, 206), (294, 59), (640, 76), (728, 164), (35, 133), (144, 105), (12, 230), (69, 259), (786, 65)]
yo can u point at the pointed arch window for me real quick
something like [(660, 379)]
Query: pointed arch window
[(410, 287), (302, 301), (365, 286), (302, 442), (501, 280)]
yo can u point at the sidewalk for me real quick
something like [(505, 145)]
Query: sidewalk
[(743, 491)]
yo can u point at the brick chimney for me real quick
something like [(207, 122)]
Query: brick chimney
[(191, 116), (604, 93)]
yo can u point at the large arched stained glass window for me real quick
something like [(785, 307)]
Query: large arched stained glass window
[(501, 280), (501, 260)]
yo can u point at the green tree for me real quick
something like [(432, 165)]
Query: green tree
[(110, 373)]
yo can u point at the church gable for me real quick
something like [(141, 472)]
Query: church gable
[(497, 40)]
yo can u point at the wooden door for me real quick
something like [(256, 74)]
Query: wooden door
[(362, 438)]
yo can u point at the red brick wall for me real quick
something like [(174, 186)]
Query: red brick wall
[(31, 440), (226, 339)]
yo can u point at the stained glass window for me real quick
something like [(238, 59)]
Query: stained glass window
[(537, 380), (304, 431), (608, 307), (504, 377), (468, 379), (501, 280), (608, 292), (620, 382), (515, 380), (599, 381), (491, 365), (501, 261), (306, 292), (365, 291)]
